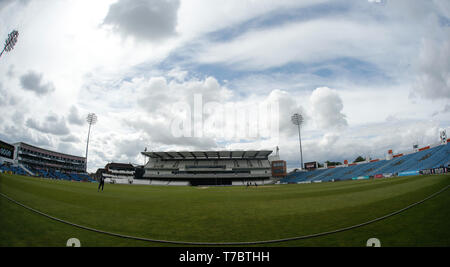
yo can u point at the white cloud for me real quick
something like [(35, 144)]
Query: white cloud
[(158, 96), (74, 117), (143, 19), (130, 148), (52, 125), (307, 42), (446, 109), (6, 3), (433, 78), (70, 149), (178, 74), (69, 46), (326, 109), (288, 106), (33, 81), (328, 140), (18, 133), (158, 134), (70, 139), (162, 99), (198, 17)]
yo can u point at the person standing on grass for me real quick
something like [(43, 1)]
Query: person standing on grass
[(101, 183)]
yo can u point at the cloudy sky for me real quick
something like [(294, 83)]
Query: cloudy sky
[(367, 75)]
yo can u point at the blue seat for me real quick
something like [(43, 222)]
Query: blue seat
[(430, 158)]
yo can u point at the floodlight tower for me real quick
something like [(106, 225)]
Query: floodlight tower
[(91, 119), (297, 119), (10, 42)]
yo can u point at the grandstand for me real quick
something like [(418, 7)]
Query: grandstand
[(428, 159), (8, 168), (197, 168), (25, 159), (120, 173), (207, 168), (7, 162)]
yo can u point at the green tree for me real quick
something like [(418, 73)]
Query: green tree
[(359, 159), (332, 163)]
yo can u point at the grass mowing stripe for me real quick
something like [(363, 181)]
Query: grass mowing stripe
[(216, 195), (215, 203), (232, 243)]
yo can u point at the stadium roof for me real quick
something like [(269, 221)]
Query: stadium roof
[(119, 165), (256, 154), (49, 152)]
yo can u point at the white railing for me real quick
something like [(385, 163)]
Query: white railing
[(122, 172), (117, 176)]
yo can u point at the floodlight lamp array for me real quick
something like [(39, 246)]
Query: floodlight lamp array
[(11, 41), (91, 118), (297, 119)]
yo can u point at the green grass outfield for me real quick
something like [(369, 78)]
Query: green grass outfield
[(226, 214)]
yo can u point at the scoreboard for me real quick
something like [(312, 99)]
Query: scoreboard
[(311, 165), (6, 150), (279, 168)]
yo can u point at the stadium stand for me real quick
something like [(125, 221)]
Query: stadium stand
[(427, 158), (24, 159), (207, 167), (120, 173), (216, 167), (6, 168)]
